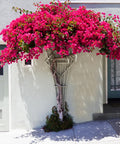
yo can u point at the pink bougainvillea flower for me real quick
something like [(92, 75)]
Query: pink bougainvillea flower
[(64, 30)]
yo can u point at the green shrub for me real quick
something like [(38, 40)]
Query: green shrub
[(53, 123)]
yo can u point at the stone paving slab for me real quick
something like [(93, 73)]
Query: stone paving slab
[(93, 130), (115, 123)]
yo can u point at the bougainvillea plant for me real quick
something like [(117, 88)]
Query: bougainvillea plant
[(65, 31), (58, 27)]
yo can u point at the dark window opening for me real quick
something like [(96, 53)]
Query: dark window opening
[(1, 70), (2, 46), (28, 62)]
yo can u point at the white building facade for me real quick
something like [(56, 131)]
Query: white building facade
[(27, 92)]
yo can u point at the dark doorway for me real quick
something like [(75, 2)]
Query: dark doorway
[(113, 79)]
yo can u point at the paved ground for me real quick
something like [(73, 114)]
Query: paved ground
[(94, 132), (115, 123)]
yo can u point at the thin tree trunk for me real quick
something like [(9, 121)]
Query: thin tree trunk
[(59, 103), (59, 94), (52, 61), (52, 58)]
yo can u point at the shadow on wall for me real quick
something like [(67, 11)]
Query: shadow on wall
[(34, 92), (85, 87), (37, 91)]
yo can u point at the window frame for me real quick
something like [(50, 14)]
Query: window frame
[(27, 65)]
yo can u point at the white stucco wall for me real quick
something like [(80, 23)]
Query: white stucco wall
[(32, 92), (32, 95), (85, 87)]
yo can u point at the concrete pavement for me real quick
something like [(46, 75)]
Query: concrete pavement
[(94, 132)]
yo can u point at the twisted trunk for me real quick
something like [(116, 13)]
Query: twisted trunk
[(59, 93), (52, 61)]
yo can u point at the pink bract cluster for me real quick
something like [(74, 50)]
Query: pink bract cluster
[(58, 27)]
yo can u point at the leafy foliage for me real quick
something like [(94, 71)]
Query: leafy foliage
[(53, 123)]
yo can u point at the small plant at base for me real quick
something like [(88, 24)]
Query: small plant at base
[(53, 123)]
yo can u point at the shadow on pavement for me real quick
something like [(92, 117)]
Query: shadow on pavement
[(80, 132), (93, 130)]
